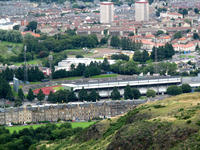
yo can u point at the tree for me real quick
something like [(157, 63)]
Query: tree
[(178, 35), (174, 90), (126, 44), (159, 32), (137, 56), (105, 65), (16, 27), (30, 95), (120, 56), (51, 97), (128, 93), (104, 41), (93, 96), (186, 88), (21, 94), (18, 102), (141, 57), (86, 73), (163, 52), (115, 95), (131, 34), (60, 96), (183, 11), (40, 95), (32, 25), (11, 36), (115, 42), (150, 93), (72, 96), (83, 95), (196, 10), (195, 36), (71, 32), (5, 89), (136, 93), (79, 56), (197, 89), (145, 56)]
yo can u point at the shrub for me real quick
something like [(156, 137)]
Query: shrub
[(186, 88), (188, 121), (151, 93), (198, 123), (174, 90), (158, 106)]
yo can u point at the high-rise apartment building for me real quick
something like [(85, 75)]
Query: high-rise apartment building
[(106, 12), (142, 10)]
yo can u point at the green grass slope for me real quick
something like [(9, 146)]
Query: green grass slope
[(8, 49), (173, 123)]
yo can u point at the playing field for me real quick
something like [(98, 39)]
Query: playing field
[(74, 125)]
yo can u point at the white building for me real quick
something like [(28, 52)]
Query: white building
[(171, 15), (66, 64), (6, 24), (106, 12), (158, 84), (142, 10)]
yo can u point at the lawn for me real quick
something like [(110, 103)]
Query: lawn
[(31, 62), (182, 56), (104, 76), (8, 49), (74, 52), (74, 125), (186, 56)]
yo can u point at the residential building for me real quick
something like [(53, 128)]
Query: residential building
[(142, 10), (106, 12), (76, 111)]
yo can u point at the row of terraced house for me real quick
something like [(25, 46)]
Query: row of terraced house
[(80, 111)]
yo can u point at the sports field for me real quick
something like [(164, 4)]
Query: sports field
[(74, 125)]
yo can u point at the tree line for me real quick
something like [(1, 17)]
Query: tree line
[(28, 137), (124, 43), (34, 74), (42, 46), (120, 67), (176, 90), (63, 96), (11, 36), (92, 69), (163, 52)]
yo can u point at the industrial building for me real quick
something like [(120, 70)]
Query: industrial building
[(66, 64)]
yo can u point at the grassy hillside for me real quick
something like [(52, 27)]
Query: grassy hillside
[(173, 123)]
